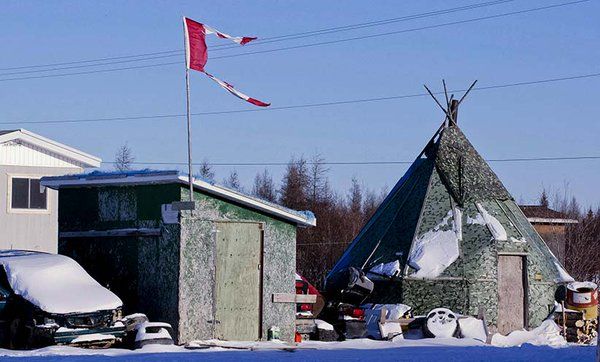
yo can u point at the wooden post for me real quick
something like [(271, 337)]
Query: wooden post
[(454, 111), (564, 319)]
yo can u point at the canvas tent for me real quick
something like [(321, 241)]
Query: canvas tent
[(449, 234)]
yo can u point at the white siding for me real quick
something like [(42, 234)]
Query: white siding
[(36, 230), (20, 153)]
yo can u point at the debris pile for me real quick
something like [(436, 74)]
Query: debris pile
[(575, 328)]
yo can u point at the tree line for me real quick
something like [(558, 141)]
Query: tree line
[(305, 185)]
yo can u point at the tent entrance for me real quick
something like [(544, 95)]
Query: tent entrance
[(512, 293)]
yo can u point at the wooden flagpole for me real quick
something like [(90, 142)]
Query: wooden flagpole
[(189, 123)]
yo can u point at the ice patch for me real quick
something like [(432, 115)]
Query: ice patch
[(435, 250), (55, 283), (547, 334), (495, 227), (390, 269)]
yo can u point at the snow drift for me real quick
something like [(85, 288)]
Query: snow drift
[(436, 249), (547, 334), (55, 283)]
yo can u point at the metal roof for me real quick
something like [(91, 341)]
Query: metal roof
[(141, 177), (26, 136)]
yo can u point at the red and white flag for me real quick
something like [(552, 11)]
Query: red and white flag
[(196, 53)]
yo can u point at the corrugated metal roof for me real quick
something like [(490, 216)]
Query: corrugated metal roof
[(147, 176)]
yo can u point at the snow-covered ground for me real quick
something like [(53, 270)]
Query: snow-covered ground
[(356, 350)]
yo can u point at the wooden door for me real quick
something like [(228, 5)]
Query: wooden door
[(238, 281), (511, 293)]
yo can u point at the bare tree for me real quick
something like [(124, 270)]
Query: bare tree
[(124, 158), (233, 181), (264, 186), (318, 184), (293, 191), (206, 171)]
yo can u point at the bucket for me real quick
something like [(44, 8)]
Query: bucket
[(583, 296)]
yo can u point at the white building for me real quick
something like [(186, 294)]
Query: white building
[(29, 212)]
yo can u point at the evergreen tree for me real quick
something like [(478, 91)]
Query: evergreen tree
[(206, 171), (264, 187), (233, 181)]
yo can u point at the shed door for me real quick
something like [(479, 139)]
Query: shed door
[(511, 293), (238, 281)]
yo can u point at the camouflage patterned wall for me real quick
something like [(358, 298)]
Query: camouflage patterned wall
[(461, 180), (171, 277), (279, 265)]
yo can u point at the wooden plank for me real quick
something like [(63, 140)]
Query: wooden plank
[(511, 294), (294, 298), (237, 287), (109, 233)]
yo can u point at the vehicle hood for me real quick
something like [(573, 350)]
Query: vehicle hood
[(55, 283)]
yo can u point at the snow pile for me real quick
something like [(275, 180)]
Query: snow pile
[(472, 328), (563, 276), (547, 334), (390, 269), (93, 337), (323, 325), (515, 240), (495, 227), (55, 283), (435, 250)]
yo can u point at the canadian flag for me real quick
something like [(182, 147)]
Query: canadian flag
[(196, 53)]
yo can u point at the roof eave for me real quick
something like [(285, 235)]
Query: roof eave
[(251, 202), (85, 159), (544, 220)]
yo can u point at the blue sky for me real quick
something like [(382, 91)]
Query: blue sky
[(548, 120)]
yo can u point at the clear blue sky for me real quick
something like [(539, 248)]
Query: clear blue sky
[(548, 120)]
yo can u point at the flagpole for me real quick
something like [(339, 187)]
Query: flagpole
[(189, 123), (189, 132)]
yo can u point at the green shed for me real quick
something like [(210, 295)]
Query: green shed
[(449, 234), (212, 272)]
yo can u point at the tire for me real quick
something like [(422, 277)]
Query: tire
[(441, 322), (20, 336)]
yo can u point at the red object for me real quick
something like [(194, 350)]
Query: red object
[(195, 45), (228, 87), (357, 313), (297, 337), (305, 307), (196, 54), (582, 295)]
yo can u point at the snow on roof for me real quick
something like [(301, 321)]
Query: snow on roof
[(24, 135), (543, 214), (55, 283), (138, 177)]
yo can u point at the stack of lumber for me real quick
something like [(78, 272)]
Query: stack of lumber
[(575, 328)]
